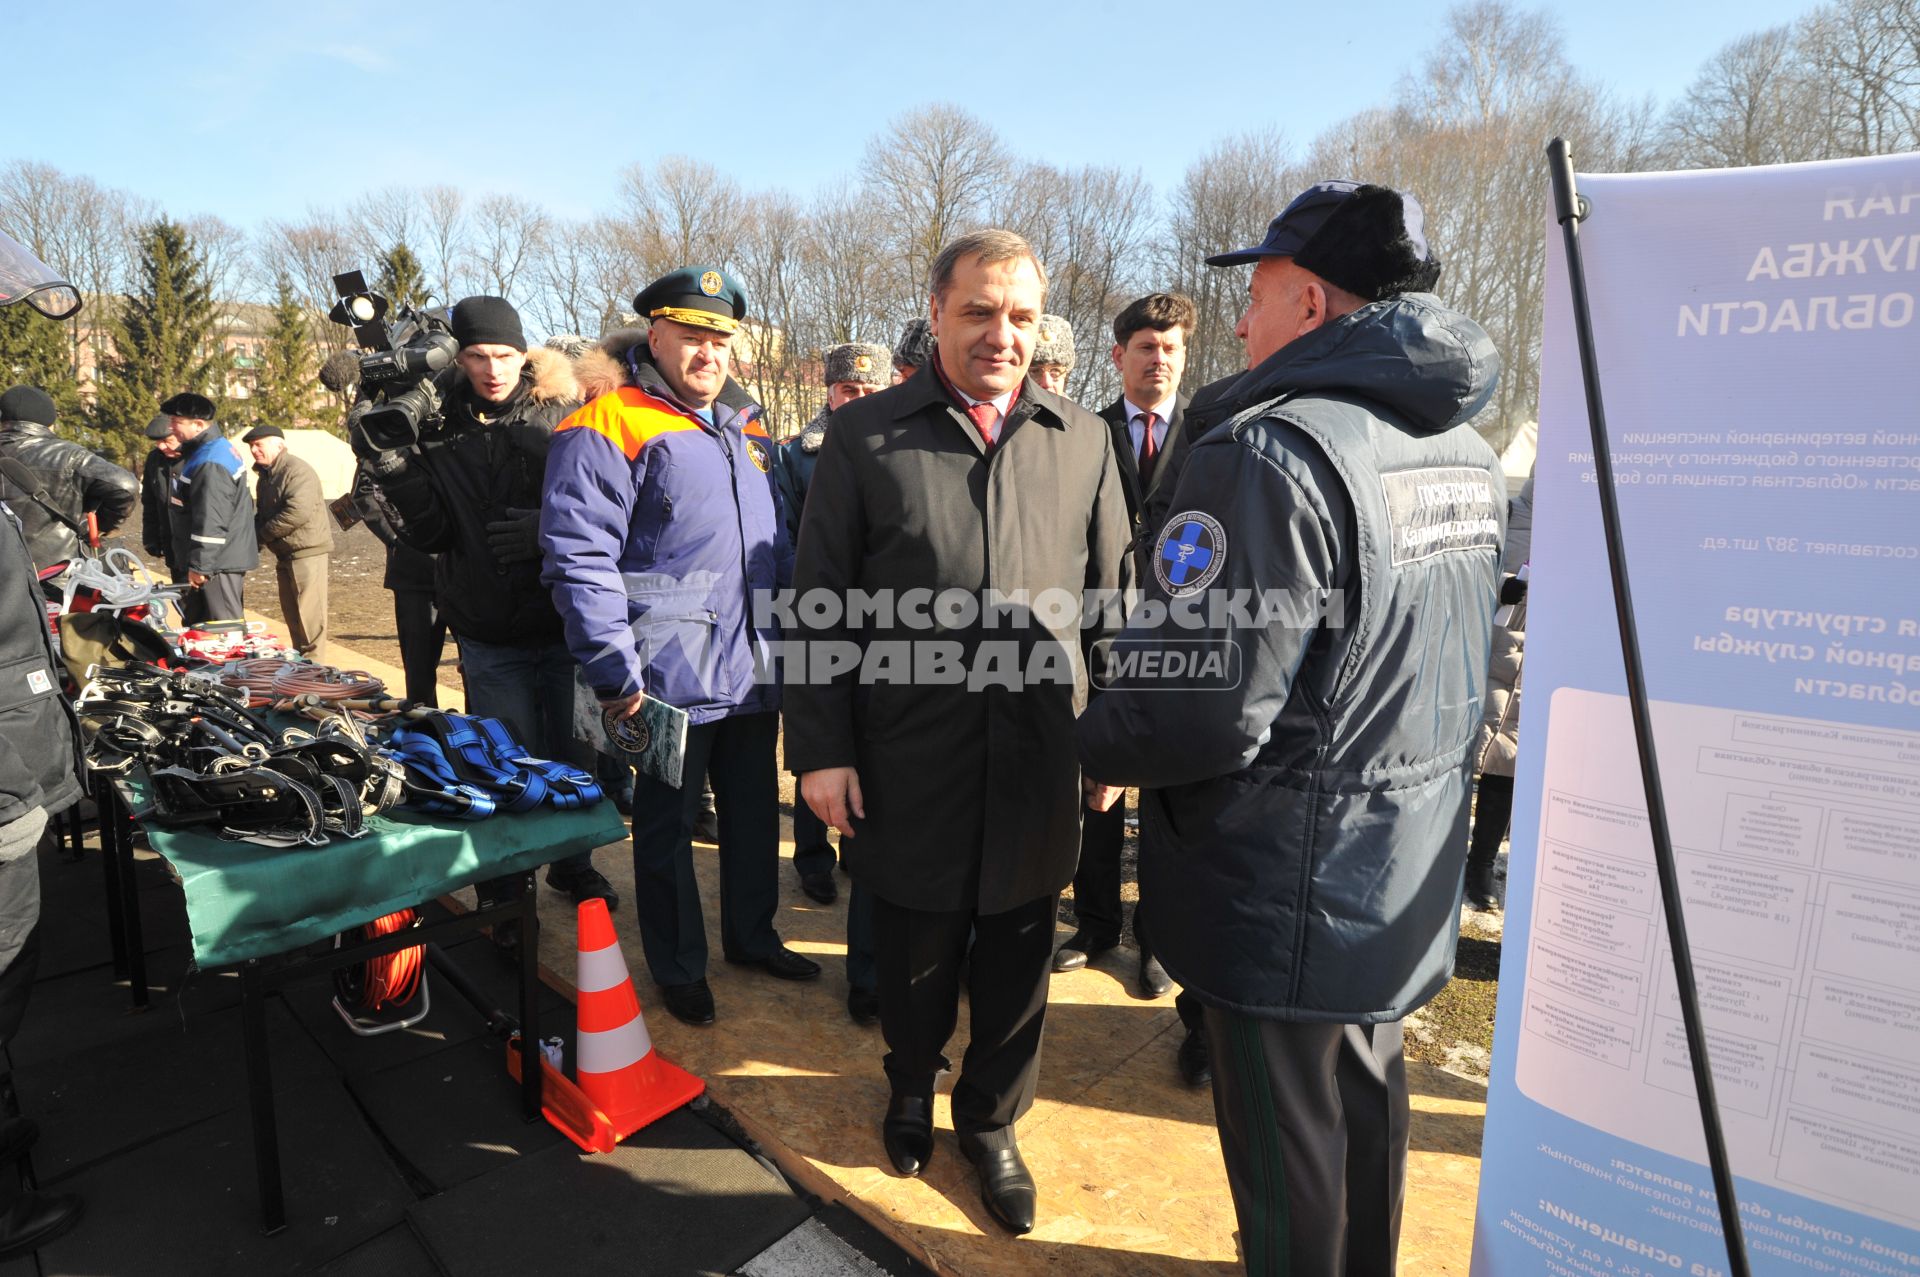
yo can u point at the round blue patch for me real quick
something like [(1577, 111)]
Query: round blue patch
[(1190, 552)]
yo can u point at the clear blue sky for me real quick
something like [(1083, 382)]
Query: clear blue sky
[(260, 110)]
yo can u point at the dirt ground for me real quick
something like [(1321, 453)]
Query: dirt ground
[(1454, 1031)]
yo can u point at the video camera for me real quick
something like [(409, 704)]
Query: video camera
[(396, 373)]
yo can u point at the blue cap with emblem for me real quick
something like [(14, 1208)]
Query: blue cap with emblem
[(702, 296)]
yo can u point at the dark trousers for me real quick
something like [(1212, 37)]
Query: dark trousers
[(812, 853), (16, 988), (222, 598), (1492, 813), (423, 642), (917, 955), (1313, 1125), (1096, 883), (860, 965), (737, 755)]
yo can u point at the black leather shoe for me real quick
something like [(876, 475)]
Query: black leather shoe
[(820, 886), (1480, 887), (1153, 981), (706, 826), (1080, 946), (582, 885), (782, 964), (1196, 1060), (907, 1131), (1006, 1186), (17, 1134), (36, 1219), (864, 1006), (689, 1003)]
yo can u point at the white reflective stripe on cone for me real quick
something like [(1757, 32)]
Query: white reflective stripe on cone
[(600, 969), (614, 1049)]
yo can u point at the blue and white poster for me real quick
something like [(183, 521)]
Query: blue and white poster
[(1760, 361)]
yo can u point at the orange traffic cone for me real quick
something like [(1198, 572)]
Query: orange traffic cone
[(619, 1071)]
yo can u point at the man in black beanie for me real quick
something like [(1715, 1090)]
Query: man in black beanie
[(1304, 814), (469, 494)]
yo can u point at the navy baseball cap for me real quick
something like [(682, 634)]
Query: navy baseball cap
[(1370, 240), (1287, 233)]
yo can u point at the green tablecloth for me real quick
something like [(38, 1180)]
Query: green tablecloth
[(245, 901)]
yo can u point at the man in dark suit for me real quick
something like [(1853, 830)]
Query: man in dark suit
[(954, 788), (1150, 352)]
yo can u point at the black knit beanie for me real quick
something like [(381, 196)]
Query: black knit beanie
[(488, 321)]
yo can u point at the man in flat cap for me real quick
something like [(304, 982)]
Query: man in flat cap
[(852, 371), (1305, 816), (915, 347), (469, 494), (662, 528), (72, 481), (1053, 354), (212, 513), (292, 522), (956, 792), (156, 486)]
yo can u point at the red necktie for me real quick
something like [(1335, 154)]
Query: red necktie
[(983, 415), (1149, 451)]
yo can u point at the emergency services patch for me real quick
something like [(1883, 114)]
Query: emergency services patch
[(1442, 510), (762, 458), (1190, 553)]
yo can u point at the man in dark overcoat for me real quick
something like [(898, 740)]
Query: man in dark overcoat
[(977, 514)]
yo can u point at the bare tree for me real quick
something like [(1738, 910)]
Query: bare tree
[(932, 173), (779, 347), (1753, 103), (443, 242), (309, 254), (847, 280), (509, 235), (1092, 227), (1223, 202), (1865, 55)]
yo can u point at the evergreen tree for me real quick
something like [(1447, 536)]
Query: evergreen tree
[(402, 280), (164, 338), (286, 377), (34, 351)]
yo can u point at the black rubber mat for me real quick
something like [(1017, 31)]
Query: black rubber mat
[(186, 1203), (92, 1103), (394, 1253), (471, 1126), (676, 1198)]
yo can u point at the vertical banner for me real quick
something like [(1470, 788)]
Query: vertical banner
[(1760, 363)]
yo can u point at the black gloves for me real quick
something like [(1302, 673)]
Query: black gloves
[(1512, 590), (515, 538)]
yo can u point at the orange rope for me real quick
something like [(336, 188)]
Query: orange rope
[(392, 978)]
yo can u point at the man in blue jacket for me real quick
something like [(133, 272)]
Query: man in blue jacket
[(660, 527), (212, 513), (1336, 540)]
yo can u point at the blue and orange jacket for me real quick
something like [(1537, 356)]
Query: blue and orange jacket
[(658, 532)]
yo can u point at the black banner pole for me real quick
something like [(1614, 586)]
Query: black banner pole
[(1570, 209)]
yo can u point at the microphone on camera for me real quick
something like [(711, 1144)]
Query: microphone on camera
[(341, 372)]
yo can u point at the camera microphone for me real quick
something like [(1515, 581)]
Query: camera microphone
[(341, 372)]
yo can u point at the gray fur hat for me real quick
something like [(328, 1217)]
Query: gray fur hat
[(863, 362), (915, 346), (1054, 345), (572, 345)]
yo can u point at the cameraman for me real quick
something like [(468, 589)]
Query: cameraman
[(468, 493)]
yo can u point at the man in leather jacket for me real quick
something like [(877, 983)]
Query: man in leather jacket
[(74, 481)]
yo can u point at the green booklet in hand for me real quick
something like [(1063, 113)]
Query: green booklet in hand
[(653, 739)]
